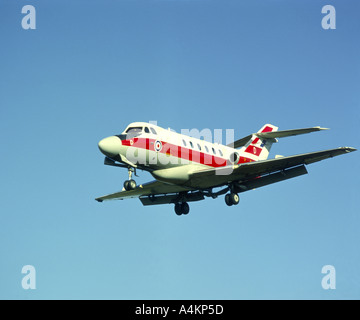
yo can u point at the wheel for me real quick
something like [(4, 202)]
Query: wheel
[(228, 200), (129, 185), (185, 209), (126, 185), (177, 208), (132, 184), (234, 197)]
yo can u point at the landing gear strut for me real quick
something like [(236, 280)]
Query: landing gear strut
[(182, 208), (130, 184)]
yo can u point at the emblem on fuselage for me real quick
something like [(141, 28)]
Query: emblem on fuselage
[(157, 146)]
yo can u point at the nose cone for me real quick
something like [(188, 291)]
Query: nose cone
[(110, 146)]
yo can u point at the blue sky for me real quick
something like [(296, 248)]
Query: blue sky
[(91, 67)]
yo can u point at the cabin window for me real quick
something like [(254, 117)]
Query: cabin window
[(184, 143), (191, 145), (147, 130), (153, 130), (199, 147), (207, 149), (221, 154), (213, 150)]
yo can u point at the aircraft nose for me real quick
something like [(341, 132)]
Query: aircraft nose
[(110, 146)]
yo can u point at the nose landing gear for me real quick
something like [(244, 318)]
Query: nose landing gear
[(130, 184)]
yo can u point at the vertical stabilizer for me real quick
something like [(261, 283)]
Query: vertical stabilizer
[(258, 148)]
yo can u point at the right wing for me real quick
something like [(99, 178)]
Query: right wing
[(150, 188)]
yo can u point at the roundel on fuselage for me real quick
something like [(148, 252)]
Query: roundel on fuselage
[(157, 146)]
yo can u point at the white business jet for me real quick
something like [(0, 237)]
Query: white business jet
[(187, 169)]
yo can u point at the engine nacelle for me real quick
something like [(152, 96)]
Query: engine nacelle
[(177, 175), (234, 158)]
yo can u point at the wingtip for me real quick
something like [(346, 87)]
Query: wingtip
[(347, 149), (321, 128), (99, 200)]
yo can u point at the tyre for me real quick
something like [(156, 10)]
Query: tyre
[(126, 185), (132, 184), (185, 208), (228, 200), (178, 209)]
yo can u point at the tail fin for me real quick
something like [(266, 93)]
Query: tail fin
[(258, 148)]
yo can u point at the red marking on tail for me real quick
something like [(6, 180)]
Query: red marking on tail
[(267, 129), (253, 150)]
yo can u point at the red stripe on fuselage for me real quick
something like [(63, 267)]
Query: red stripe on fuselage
[(181, 152), (245, 160)]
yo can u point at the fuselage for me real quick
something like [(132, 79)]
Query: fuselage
[(167, 155)]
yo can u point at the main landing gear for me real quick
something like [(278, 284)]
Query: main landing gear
[(232, 199), (182, 208), (130, 184)]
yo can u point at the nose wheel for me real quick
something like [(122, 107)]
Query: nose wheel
[(130, 184)]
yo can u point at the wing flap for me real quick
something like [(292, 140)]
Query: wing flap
[(171, 198), (272, 178)]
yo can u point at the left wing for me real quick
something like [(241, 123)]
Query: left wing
[(245, 171)]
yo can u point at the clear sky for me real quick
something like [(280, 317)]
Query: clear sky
[(91, 67)]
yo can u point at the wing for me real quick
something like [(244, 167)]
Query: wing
[(250, 170), (247, 176), (151, 188)]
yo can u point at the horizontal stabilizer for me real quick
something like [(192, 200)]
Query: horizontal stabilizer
[(287, 133), (273, 135)]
